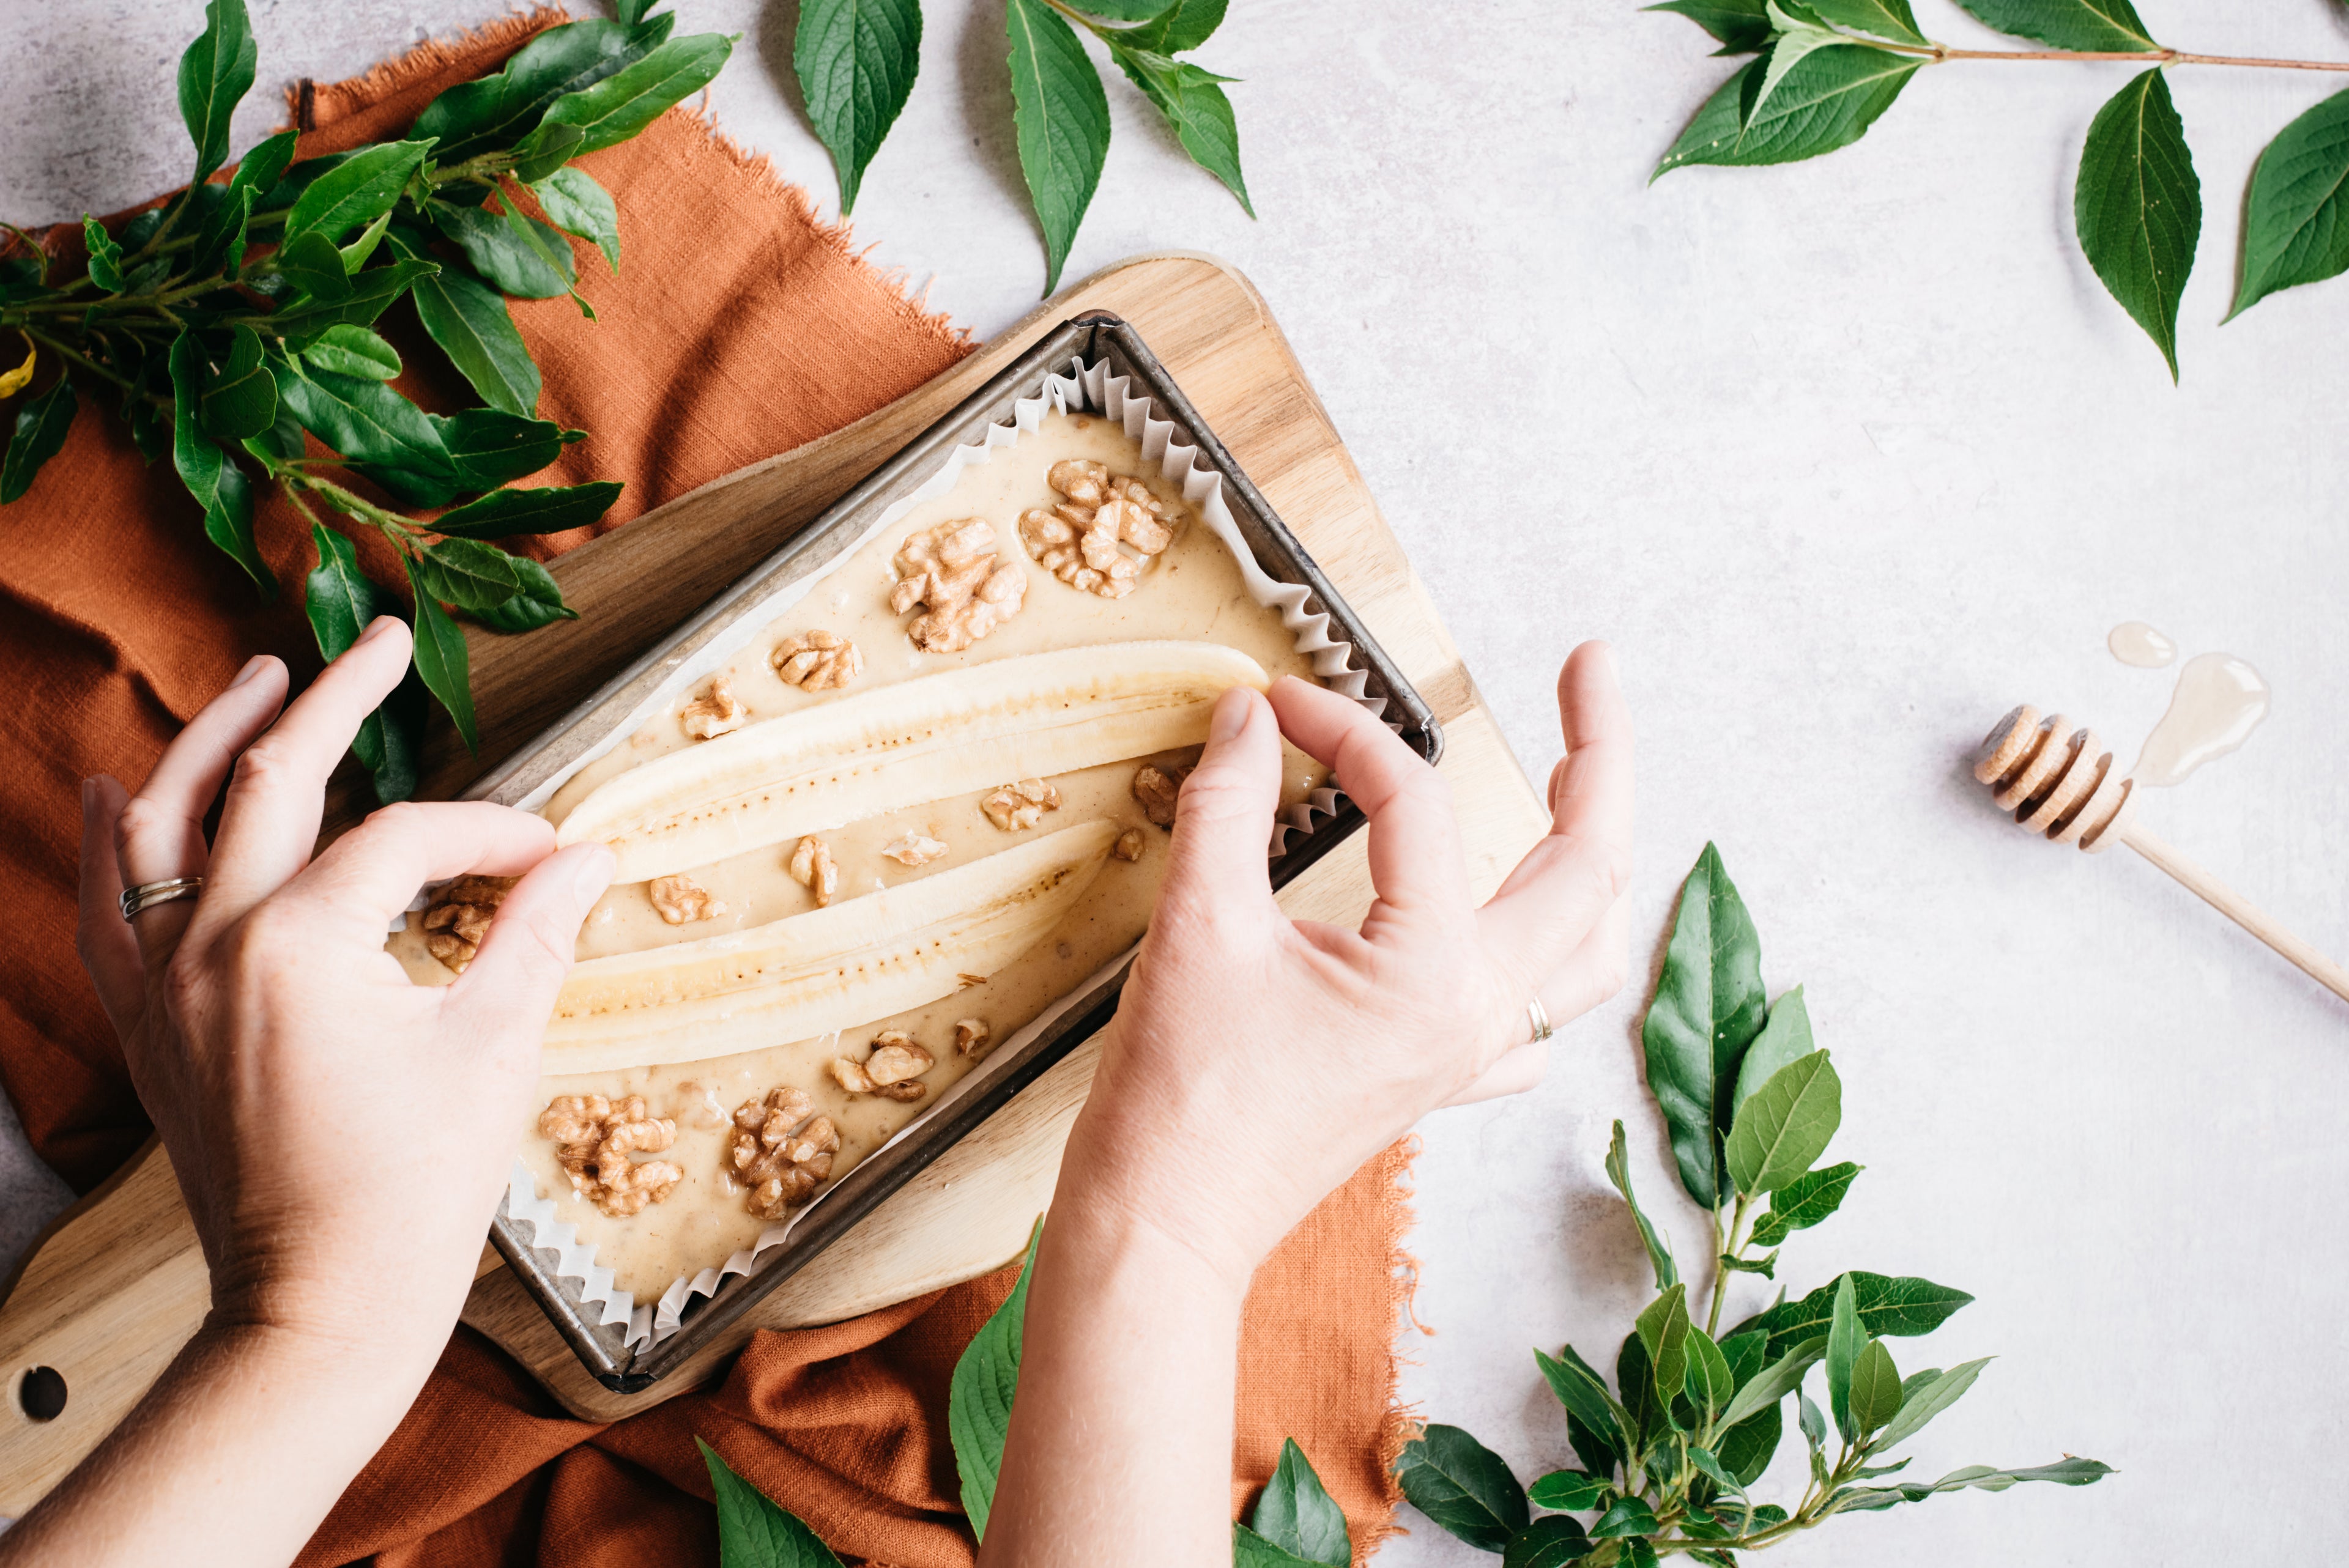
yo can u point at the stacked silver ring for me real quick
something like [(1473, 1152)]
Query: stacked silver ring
[(1539, 1017), (146, 895)]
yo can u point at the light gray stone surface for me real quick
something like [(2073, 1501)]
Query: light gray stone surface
[(1846, 457)]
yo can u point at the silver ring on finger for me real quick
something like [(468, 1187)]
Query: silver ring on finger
[(146, 895), (1539, 1017)]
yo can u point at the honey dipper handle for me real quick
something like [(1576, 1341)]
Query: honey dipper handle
[(2239, 910)]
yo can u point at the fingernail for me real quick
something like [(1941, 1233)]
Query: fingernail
[(376, 628), (1231, 715), (253, 667)]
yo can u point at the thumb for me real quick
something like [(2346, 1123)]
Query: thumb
[(1223, 819), (510, 986)]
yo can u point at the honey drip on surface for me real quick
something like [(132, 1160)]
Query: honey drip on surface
[(2134, 642), (2218, 701)]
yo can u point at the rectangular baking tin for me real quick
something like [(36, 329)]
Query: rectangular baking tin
[(1096, 334)]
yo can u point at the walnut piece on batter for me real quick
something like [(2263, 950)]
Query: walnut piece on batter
[(780, 1150), (813, 660), (1128, 847), (680, 898), (914, 850), (458, 917), (594, 1137), (1020, 805), (965, 588), (1078, 540), (719, 713), (893, 1071), (812, 866), (973, 1037), (1158, 790)]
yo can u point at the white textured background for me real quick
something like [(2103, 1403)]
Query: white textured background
[(1846, 457)]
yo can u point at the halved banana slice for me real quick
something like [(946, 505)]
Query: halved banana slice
[(832, 968), (897, 745)]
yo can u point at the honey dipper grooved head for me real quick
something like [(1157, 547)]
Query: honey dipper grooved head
[(2057, 780)]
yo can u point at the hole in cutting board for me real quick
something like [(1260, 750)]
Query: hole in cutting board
[(42, 1393)]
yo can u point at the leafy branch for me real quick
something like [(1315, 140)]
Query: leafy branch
[(1695, 1415), (233, 325), (857, 61), (1826, 70)]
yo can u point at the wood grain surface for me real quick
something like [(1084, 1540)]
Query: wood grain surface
[(118, 1284)]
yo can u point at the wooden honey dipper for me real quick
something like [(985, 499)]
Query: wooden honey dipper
[(2060, 782)]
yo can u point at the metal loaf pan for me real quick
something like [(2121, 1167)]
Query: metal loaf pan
[(1096, 335)]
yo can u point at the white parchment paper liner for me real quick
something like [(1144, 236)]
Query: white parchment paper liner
[(1085, 388)]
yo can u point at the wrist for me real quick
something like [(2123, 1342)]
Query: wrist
[(1110, 1214), (363, 1370)]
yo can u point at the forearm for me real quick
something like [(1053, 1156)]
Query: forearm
[(232, 1457), (1121, 1443)]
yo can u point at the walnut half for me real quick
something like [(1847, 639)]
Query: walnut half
[(594, 1135), (1079, 540), (780, 1151), (719, 713), (811, 864), (966, 590), (1020, 805), (973, 1037), (914, 850), (458, 917), (1158, 790), (892, 1071), (680, 898), (813, 660)]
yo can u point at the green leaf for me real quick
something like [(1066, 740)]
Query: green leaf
[(1824, 103), (1555, 1542), (1195, 108), (1874, 1389), (1710, 1465), (495, 112), (215, 73), (542, 152), (1639, 1553), (2063, 1472), (311, 264), (467, 574), (1062, 119), (1745, 1351), (575, 204), (218, 484), (2138, 206), (353, 351), (355, 254), (2096, 26), (1710, 1381), (1627, 1516), (1664, 1328), (1885, 18), (1846, 1339), (1584, 1394), (1298, 1516), (1745, 1449), (220, 243), (1922, 1400), (855, 60), (1784, 1037), (1787, 1124), (1250, 1550), (1786, 51), (340, 602), (240, 395), (1804, 1202), (624, 103), (1619, 1171), (979, 1405), (1779, 1379), (1708, 1007), (377, 431), (372, 291), (357, 191), (1573, 1491), (536, 602), (1740, 27), (552, 508), (489, 446), (442, 660), (2296, 227), (1635, 1374), (752, 1532), (1891, 1306), (470, 322), (497, 244), (1184, 25), (105, 256), (40, 430), (1463, 1486)]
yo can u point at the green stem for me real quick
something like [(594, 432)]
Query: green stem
[(1720, 1271), (1938, 54), (67, 351)]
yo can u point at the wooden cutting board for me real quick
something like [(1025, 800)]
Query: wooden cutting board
[(116, 1286)]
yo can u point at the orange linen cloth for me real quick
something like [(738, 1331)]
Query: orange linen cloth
[(739, 326)]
